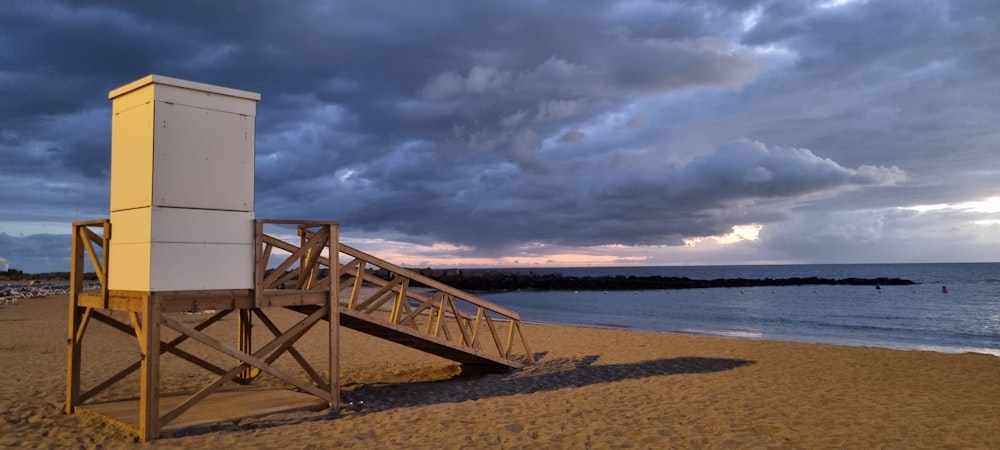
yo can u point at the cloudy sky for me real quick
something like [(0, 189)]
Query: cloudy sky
[(522, 132)]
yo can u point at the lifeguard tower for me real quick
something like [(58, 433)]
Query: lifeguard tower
[(182, 238)]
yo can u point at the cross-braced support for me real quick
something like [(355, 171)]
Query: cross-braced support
[(365, 293), (151, 313)]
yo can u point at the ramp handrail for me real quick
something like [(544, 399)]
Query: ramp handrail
[(399, 297)]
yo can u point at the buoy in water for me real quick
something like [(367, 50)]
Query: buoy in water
[(944, 289)]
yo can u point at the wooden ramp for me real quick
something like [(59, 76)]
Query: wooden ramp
[(390, 302), (471, 359)]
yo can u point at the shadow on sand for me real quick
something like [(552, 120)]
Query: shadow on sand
[(545, 376)]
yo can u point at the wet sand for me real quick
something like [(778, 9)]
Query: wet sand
[(592, 388)]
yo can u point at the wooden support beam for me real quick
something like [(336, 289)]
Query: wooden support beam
[(74, 338), (149, 378), (164, 348), (333, 319), (274, 348), (493, 333), (89, 237), (111, 322), (244, 337), (458, 319), (303, 362), (261, 258), (524, 342), (287, 338), (409, 318)]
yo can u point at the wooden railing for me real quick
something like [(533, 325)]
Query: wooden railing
[(387, 294), (88, 243)]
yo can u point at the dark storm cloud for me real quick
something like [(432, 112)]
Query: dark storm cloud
[(494, 124), (37, 253)]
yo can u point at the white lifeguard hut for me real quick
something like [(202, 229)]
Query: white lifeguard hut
[(182, 238), (182, 186)]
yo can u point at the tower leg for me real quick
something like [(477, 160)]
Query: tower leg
[(75, 322), (334, 319), (245, 340), (149, 395)]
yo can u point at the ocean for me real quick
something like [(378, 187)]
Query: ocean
[(966, 318)]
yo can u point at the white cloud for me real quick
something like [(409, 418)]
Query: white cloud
[(450, 84)]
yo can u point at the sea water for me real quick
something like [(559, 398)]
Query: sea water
[(966, 318)]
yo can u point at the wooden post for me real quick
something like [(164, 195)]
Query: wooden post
[(334, 319), (260, 263), (149, 388), (303, 239), (245, 340), (75, 318), (105, 261)]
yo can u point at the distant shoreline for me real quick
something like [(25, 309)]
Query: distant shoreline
[(502, 281)]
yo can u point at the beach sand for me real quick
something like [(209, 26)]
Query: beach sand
[(592, 388)]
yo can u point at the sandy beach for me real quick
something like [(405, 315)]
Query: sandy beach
[(592, 388)]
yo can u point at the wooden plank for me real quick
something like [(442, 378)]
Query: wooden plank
[(397, 303), (137, 324), (208, 303), (105, 264), (90, 223), (510, 339), (88, 239), (461, 326), (524, 342), (284, 297), (333, 304), (260, 262), (475, 327), (493, 333), (359, 282), (82, 326), (149, 384), (168, 296), (297, 222), (125, 303), (87, 299), (75, 316), (244, 338)]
